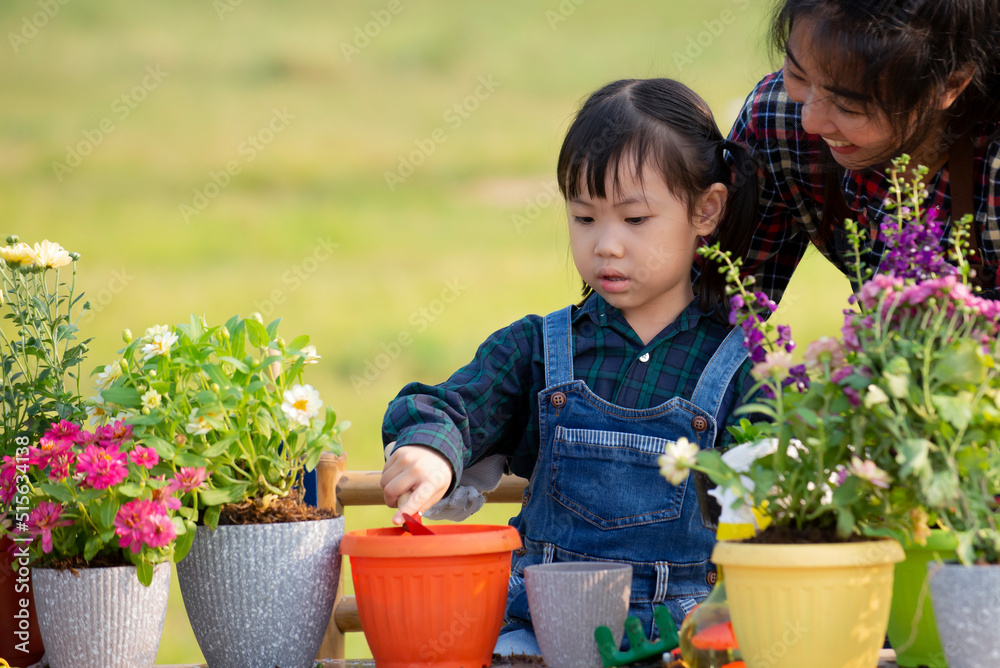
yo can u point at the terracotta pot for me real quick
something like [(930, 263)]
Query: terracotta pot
[(822, 606), (20, 638), (101, 617), (261, 595), (433, 600)]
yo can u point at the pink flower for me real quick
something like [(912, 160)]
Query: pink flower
[(63, 430), (142, 522), (868, 471), (103, 466), (8, 481), (147, 457), (164, 496), (825, 351), (47, 449), (776, 363), (43, 519), (114, 434), (60, 465), (188, 479)]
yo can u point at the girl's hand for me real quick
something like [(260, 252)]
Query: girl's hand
[(414, 478)]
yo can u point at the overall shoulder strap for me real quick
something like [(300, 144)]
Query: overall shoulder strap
[(719, 373), (558, 334)]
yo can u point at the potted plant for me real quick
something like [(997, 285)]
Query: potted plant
[(40, 360), (225, 406), (848, 449)]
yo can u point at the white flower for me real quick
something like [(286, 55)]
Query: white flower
[(151, 399), (18, 254), (868, 471), (875, 396), (310, 354), (156, 330), (679, 458), (197, 425), (51, 255), (160, 345), (109, 375), (96, 409), (302, 404)]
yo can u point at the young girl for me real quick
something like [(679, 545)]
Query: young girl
[(862, 83), (583, 401)]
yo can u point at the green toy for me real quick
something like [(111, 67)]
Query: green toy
[(640, 647)]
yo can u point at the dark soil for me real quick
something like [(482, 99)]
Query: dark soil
[(517, 660), (288, 509), (99, 561), (783, 535)]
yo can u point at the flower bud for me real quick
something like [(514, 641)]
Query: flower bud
[(152, 373), (216, 388), (13, 239), (257, 316), (74, 256), (127, 335)]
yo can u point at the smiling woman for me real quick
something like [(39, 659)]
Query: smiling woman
[(863, 82)]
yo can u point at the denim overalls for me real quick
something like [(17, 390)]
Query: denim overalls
[(596, 492)]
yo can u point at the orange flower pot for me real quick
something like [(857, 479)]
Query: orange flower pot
[(431, 600)]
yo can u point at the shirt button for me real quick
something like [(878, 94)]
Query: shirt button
[(521, 551), (558, 399), (711, 578), (699, 423), (644, 357)]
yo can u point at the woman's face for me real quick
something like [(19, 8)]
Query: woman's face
[(856, 137)]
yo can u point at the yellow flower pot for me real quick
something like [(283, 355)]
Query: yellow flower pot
[(821, 606)]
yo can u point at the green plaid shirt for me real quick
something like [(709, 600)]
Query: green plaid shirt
[(490, 405)]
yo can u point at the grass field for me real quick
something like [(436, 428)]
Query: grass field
[(377, 174)]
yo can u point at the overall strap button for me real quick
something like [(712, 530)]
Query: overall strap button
[(699, 423), (558, 399), (711, 578), (521, 551)]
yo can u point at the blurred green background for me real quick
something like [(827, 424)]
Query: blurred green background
[(380, 175)]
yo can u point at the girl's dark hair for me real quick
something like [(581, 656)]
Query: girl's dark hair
[(663, 124), (900, 55)]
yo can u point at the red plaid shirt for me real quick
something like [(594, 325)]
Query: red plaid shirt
[(791, 202)]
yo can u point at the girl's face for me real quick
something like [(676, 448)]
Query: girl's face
[(636, 248), (857, 138)]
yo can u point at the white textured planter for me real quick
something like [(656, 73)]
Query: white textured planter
[(261, 595), (967, 610), (102, 618)]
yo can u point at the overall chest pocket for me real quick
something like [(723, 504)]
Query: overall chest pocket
[(612, 479)]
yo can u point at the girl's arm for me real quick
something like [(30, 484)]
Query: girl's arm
[(487, 407)]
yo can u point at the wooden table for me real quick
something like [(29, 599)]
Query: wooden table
[(887, 659)]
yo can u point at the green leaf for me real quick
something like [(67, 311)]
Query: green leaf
[(216, 374), (237, 364), (57, 492), (217, 497), (212, 516), (959, 364), (845, 522), (144, 570), (272, 329), (93, 546), (130, 489), (123, 396), (299, 342), (257, 334), (165, 449), (184, 542), (186, 458), (107, 511), (956, 410), (219, 446), (912, 455)]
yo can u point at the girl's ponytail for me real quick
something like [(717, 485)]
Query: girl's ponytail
[(736, 225)]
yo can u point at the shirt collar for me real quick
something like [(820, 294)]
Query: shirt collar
[(603, 314)]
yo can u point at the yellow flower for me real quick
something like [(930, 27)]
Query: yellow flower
[(51, 255), (18, 254), (151, 399)]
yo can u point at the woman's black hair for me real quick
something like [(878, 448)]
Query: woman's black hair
[(663, 124), (900, 55)]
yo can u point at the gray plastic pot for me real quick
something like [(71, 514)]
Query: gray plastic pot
[(261, 595), (967, 609), (101, 618)]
